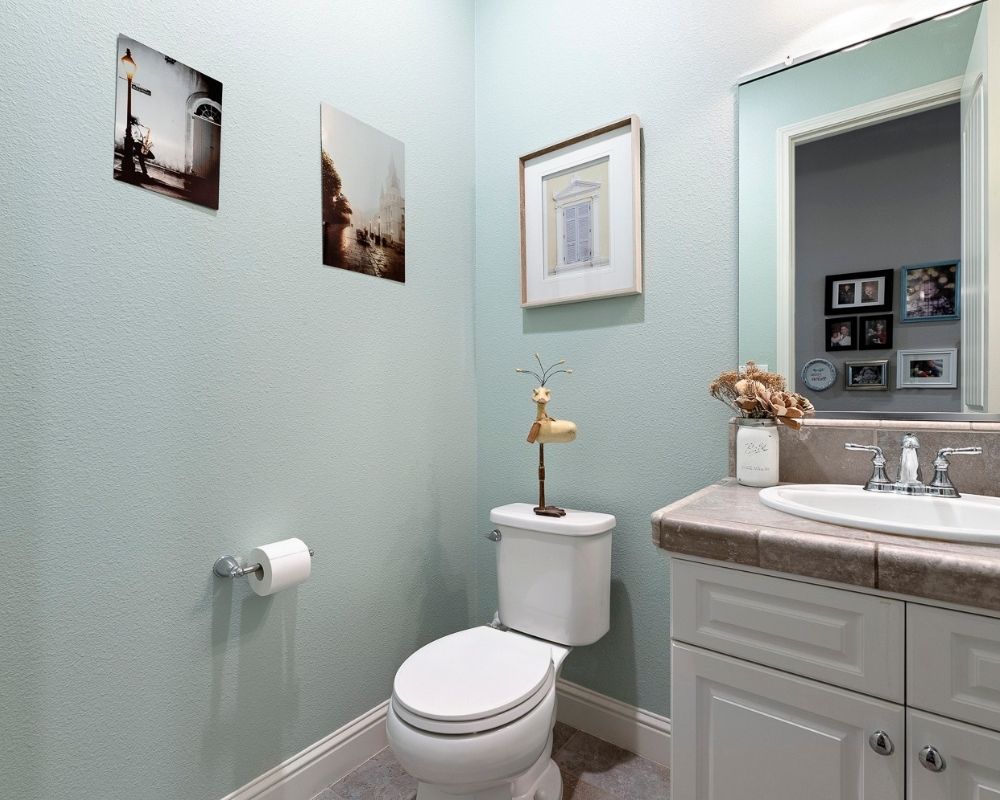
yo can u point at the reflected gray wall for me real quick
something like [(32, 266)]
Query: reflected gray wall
[(877, 198)]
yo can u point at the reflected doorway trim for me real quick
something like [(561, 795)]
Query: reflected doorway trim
[(904, 104)]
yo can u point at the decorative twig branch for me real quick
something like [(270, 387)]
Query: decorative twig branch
[(547, 372)]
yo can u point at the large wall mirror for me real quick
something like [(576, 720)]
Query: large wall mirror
[(869, 221)]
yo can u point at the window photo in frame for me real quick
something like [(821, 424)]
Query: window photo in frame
[(875, 332), (841, 334), (858, 291), (581, 216)]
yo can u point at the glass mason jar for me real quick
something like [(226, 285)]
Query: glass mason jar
[(757, 452)]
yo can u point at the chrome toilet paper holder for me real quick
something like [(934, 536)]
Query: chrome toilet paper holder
[(230, 567)]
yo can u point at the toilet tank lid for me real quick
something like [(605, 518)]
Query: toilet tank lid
[(575, 523)]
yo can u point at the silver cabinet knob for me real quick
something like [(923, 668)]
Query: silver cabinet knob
[(931, 759), (880, 742), (494, 535)]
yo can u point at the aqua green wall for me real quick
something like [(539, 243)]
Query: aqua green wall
[(648, 433), (178, 383)]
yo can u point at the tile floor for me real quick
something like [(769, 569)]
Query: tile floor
[(591, 770)]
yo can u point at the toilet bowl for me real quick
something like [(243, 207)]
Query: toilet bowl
[(472, 713)]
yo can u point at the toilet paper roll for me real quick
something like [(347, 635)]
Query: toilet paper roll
[(283, 564)]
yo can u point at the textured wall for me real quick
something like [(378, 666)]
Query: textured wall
[(648, 433), (179, 383)]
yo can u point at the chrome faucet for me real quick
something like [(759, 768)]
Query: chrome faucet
[(908, 480)]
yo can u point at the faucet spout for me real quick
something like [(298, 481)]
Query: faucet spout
[(909, 479)]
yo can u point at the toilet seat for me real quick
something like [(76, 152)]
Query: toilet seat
[(474, 680)]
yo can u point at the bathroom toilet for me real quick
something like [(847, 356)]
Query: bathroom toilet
[(471, 713)]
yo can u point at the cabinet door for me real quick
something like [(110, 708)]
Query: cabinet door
[(970, 755), (745, 732)]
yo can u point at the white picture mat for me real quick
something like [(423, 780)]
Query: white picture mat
[(949, 376), (618, 276)]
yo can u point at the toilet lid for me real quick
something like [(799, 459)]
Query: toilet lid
[(473, 674)]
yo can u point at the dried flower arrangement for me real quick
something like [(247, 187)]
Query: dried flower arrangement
[(757, 394)]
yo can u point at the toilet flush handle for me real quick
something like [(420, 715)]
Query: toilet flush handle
[(494, 535)]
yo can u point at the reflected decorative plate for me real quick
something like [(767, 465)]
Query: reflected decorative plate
[(819, 374)]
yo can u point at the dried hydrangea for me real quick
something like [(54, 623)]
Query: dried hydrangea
[(756, 394)]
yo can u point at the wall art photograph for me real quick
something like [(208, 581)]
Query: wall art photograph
[(581, 217), (876, 332), (858, 291), (363, 197), (576, 217), (930, 292), (168, 125), (841, 334), (927, 369), (870, 376)]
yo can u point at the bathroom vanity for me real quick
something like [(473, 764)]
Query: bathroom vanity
[(813, 661)]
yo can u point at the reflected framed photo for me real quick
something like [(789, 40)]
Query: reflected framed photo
[(930, 292), (858, 291), (927, 368), (842, 334), (875, 332), (866, 376), (581, 217)]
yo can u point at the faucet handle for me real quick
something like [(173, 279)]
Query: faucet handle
[(944, 452), (941, 485), (879, 481)]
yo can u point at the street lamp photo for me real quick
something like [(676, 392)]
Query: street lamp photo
[(128, 156)]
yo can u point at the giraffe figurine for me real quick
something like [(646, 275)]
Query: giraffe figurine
[(547, 430)]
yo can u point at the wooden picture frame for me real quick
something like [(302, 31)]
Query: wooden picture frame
[(581, 217)]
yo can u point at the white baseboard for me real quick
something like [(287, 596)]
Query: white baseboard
[(321, 763), (643, 732), (340, 753)]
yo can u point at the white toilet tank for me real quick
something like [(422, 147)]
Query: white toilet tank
[(554, 573)]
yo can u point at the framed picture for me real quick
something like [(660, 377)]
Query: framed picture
[(363, 197), (858, 291), (842, 334), (866, 376), (930, 292), (875, 332), (581, 217), (168, 126), (927, 369)]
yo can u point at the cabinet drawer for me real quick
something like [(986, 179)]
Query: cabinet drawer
[(953, 664), (839, 637)]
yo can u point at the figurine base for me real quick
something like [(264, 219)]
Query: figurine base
[(550, 511)]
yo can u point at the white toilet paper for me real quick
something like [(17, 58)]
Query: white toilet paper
[(286, 563)]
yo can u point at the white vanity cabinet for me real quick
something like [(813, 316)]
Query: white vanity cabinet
[(787, 690)]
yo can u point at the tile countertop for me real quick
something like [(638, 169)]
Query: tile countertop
[(727, 522)]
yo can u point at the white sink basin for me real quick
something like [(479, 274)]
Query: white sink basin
[(970, 518)]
